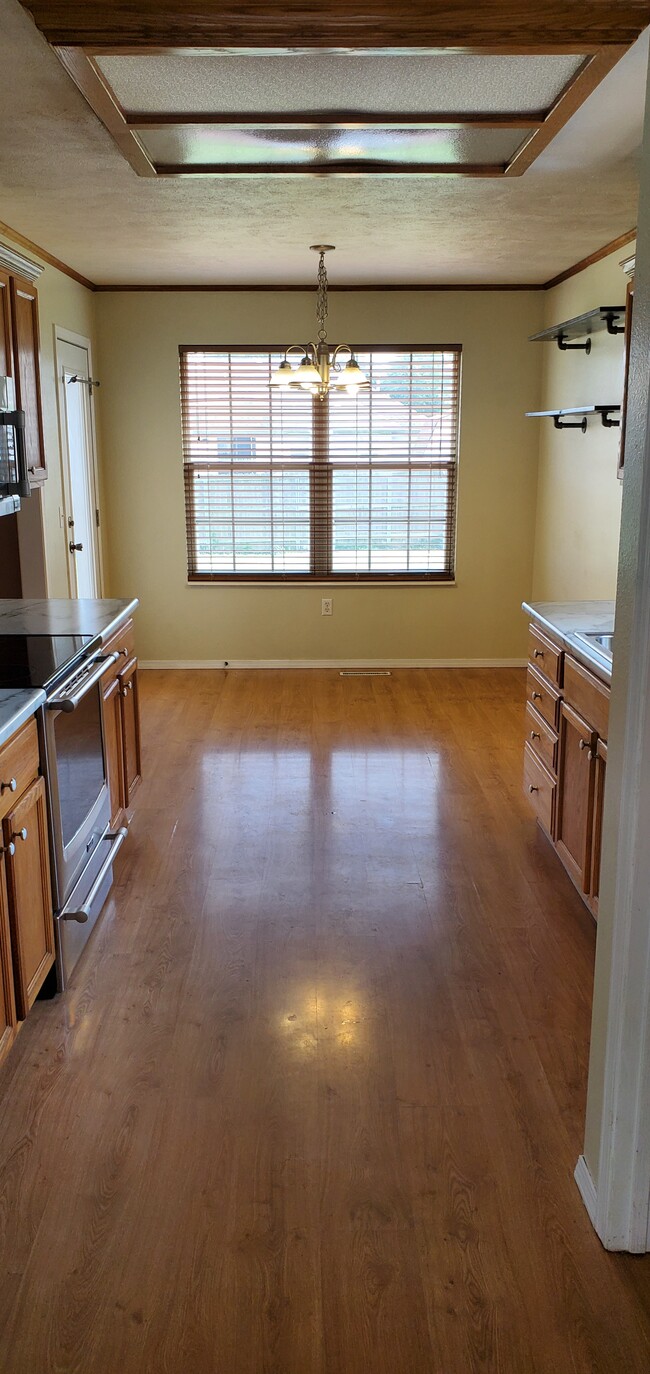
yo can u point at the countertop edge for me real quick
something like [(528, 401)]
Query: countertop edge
[(28, 700), (120, 618), (577, 651)]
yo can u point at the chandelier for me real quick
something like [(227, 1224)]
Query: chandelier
[(322, 367)]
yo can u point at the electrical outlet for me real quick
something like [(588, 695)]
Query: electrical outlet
[(326, 605)]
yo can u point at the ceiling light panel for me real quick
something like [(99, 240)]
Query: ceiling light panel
[(203, 145), (432, 82)]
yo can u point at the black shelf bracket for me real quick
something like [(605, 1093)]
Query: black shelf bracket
[(566, 347), (570, 424), (612, 326)]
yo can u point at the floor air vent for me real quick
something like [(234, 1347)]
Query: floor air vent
[(365, 672)]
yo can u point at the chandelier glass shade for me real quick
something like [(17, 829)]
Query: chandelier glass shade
[(322, 367)]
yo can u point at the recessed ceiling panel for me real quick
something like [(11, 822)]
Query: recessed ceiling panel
[(431, 82), (316, 147)]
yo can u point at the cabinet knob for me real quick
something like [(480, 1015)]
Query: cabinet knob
[(536, 696), (591, 756), (584, 744), (124, 652), (8, 786), (532, 788), (9, 849), (20, 834), (539, 653), (534, 735), (75, 548)]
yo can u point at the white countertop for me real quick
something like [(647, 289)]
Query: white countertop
[(28, 616), (564, 618), (17, 704)]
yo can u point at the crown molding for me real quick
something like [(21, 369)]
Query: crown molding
[(15, 262), (9, 233), (604, 252), (308, 287)]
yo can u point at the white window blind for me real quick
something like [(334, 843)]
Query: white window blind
[(281, 485)]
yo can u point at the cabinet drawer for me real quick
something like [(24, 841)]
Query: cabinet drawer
[(540, 789), (18, 764), (541, 738), (542, 696), (545, 656), (122, 643), (587, 695)]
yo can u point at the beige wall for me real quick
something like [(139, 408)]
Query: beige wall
[(61, 302), (138, 338), (579, 495)]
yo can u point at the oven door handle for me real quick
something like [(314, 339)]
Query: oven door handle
[(70, 703), (83, 913)]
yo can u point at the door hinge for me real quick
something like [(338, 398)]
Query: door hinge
[(97, 516)]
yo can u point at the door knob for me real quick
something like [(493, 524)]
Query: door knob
[(75, 547)]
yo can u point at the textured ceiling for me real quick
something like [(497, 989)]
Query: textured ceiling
[(64, 184), (444, 82)]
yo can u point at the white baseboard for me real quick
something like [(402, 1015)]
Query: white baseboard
[(174, 663), (587, 1188)]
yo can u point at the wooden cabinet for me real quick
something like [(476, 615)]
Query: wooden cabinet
[(575, 795), (121, 715), (30, 894), (565, 757), (7, 999), (26, 912), (20, 354), (27, 373)]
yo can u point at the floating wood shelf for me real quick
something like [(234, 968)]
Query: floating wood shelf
[(609, 317), (605, 413)]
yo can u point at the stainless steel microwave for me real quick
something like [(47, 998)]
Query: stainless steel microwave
[(14, 480)]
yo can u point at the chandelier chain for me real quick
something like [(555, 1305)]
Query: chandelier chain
[(321, 301)]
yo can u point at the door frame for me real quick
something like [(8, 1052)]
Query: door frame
[(63, 336)]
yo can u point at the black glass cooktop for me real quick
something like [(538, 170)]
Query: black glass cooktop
[(38, 660)]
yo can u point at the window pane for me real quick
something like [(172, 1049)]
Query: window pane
[(390, 520), (249, 522), (408, 415), (232, 413)]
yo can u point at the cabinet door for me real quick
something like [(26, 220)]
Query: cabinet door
[(599, 797), (7, 1004), (575, 795), (128, 680), (113, 744), (6, 346), (30, 895), (24, 322)]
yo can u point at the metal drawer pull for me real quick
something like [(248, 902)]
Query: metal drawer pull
[(128, 688), (8, 786), (83, 914), (534, 735), (591, 756), (585, 744), (531, 788), (537, 696), (20, 834), (539, 653), (9, 849)]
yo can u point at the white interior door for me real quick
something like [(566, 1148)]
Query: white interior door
[(74, 370)]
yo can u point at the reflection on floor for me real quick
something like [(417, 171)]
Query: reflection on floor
[(313, 1102)]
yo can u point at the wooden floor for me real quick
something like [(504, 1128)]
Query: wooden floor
[(313, 1102)]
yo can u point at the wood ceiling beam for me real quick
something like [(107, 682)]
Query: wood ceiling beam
[(333, 119), (102, 100), (569, 100), (501, 25)]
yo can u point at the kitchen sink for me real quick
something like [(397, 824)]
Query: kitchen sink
[(602, 643)]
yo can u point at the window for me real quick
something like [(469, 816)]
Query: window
[(282, 486)]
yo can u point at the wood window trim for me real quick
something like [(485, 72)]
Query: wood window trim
[(321, 470)]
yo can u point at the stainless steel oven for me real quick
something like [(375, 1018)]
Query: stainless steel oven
[(82, 845)]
